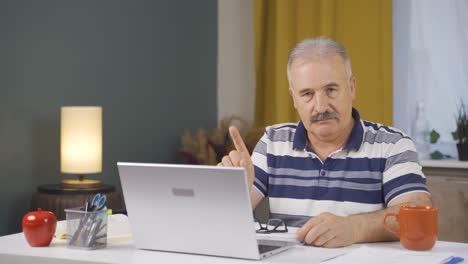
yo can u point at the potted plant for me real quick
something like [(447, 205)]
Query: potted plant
[(461, 134)]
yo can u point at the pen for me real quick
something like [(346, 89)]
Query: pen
[(93, 230), (76, 237), (453, 260)]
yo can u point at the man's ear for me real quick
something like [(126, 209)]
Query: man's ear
[(291, 93), (352, 87)]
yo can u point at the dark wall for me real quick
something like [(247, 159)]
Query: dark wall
[(150, 64)]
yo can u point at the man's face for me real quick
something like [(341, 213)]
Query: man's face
[(323, 96)]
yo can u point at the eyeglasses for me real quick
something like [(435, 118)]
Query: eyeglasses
[(274, 225)]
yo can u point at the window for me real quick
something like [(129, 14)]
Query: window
[(430, 64)]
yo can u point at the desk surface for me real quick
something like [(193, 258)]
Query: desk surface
[(14, 249)]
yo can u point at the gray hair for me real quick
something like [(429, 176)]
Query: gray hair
[(320, 47)]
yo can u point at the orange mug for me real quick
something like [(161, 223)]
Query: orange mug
[(418, 226)]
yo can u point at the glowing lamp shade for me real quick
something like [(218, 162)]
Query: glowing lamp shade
[(81, 142)]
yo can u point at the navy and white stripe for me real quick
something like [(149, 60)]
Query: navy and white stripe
[(377, 164)]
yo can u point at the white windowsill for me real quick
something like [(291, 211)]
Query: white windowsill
[(453, 164)]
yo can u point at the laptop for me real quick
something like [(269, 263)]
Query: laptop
[(193, 209)]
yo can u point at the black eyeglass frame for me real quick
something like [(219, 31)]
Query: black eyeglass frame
[(264, 228)]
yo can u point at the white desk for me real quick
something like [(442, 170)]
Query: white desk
[(14, 249)]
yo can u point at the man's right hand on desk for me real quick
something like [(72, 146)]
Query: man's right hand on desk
[(327, 230), (239, 157)]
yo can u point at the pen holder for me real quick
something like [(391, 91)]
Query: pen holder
[(86, 230)]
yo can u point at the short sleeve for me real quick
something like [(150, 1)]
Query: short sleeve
[(403, 173), (259, 159)]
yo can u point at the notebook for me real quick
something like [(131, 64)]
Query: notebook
[(192, 209)]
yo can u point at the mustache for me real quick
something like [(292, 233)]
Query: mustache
[(323, 116)]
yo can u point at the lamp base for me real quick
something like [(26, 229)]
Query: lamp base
[(80, 184)]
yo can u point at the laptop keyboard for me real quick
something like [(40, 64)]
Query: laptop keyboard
[(266, 248)]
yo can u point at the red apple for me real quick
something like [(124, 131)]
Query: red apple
[(39, 227)]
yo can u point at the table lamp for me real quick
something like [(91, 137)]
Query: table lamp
[(80, 144)]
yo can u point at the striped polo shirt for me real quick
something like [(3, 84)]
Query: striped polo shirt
[(377, 165)]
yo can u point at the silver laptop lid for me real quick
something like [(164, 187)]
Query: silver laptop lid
[(189, 208)]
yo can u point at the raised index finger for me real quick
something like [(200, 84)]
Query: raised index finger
[(237, 139)]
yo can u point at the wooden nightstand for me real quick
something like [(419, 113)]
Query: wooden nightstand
[(54, 198)]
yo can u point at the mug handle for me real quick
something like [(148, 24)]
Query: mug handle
[(384, 222)]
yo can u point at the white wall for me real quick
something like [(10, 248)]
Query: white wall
[(236, 65)]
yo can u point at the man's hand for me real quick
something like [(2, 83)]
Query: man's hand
[(327, 230), (239, 157)]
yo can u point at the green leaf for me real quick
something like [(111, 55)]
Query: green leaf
[(455, 135), (434, 136), (437, 155), (461, 119)]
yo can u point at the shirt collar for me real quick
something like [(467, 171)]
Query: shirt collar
[(354, 141)]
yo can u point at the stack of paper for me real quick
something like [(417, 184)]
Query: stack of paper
[(371, 255)]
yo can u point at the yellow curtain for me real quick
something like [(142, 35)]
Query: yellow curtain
[(364, 27)]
